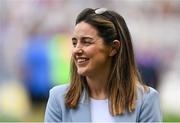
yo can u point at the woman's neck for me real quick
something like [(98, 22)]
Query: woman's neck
[(97, 87), (97, 83)]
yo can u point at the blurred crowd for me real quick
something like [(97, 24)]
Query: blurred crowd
[(35, 49)]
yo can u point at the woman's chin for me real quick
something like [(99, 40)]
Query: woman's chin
[(82, 73)]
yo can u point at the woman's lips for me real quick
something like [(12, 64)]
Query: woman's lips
[(81, 61)]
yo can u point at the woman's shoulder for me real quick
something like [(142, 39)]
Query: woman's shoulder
[(55, 104), (148, 104), (59, 89), (151, 95), (146, 92), (151, 91)]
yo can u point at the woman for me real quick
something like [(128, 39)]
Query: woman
[(105, 84)]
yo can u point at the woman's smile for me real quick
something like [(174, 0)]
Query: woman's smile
[(82, 61), (91, 55)]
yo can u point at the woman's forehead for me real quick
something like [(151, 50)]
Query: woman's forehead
[(84, 29)]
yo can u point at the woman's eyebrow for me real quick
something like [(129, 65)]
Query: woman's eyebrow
[(83, 38)]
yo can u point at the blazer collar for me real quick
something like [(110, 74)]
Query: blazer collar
[(84, 98), (82, 112)]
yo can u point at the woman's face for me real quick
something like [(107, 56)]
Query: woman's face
[(90, 54)]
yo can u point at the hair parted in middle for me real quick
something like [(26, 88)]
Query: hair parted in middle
[(122, 81)]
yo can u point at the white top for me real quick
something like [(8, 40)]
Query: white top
[(100, 111)]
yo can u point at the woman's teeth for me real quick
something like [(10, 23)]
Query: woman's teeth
[(81, 60)]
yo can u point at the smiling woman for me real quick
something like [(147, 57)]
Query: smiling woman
[(105, 84), (90, 54)]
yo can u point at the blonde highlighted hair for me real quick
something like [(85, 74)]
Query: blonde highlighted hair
[(124, 76)]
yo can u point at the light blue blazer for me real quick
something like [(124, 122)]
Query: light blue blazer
[(147, 108)]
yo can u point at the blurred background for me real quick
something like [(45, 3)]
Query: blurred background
[(35, 49)]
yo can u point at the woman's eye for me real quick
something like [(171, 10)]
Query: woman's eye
[(74, 44), (87, 43)]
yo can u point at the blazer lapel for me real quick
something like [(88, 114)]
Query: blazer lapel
[(82, 112)]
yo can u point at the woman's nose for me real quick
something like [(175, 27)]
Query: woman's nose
[(78, 49)]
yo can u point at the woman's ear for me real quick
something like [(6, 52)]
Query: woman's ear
[(115, 47)]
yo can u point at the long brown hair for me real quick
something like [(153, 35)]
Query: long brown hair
[(123, 78)]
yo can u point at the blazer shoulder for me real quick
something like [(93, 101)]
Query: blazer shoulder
[(148, 105), (150, 110), (146, 93), (55, 105), (59, 90), (151, 92)]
